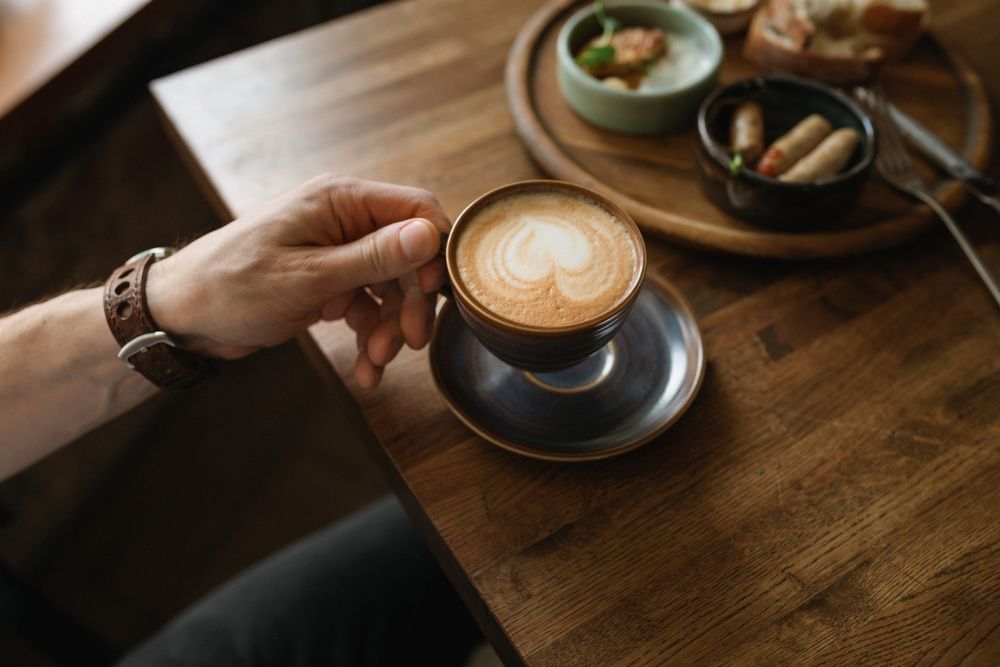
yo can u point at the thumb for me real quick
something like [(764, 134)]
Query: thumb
[(385, 254)]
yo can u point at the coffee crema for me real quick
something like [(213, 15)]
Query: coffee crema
[(546, 258)]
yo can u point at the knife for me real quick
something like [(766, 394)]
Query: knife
[(984, 187)]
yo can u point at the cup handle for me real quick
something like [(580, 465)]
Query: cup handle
[(445, 289)]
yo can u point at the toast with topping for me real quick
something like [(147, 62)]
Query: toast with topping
[(837, 41)]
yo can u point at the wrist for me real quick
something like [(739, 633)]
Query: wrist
[(145, 346), (173, 302), (179, 303), (89, 330)]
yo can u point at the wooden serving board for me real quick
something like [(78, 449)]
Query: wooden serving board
[(653, 178)]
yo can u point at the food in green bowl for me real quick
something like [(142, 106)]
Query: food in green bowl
[(638, 66)]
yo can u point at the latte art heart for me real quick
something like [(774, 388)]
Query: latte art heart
[(538, 249), (546, 259)]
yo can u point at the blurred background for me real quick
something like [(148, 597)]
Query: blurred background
[(127, 527)]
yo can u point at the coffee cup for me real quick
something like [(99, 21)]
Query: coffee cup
[(544, 272)]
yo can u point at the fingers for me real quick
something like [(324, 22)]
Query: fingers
[(416, 319), (366, 373), (362, 315), (387, 338), (341, 209), (392, 313), (335, 308), (431, 275), (385, 342), (380, 233), (378, 330), (416, 312), (387, 203), (361, 206), (383, 255)]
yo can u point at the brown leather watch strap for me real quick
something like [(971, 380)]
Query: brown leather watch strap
[(144, 347)]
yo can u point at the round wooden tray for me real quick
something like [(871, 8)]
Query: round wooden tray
[(653, 178)]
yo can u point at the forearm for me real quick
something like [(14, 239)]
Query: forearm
[(254, 283), (59, 377)]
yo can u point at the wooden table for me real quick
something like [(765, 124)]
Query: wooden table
[(833, 494)]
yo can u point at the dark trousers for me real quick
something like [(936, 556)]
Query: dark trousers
[(365, 591)]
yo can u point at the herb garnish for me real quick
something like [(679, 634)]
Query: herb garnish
[(596, 56), (736, 163), (602, 53)]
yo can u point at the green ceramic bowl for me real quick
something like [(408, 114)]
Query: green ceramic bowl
[(663, 107)]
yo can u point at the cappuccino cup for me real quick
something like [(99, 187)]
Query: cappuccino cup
[(544, 272)]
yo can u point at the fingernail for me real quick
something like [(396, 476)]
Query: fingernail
[(417, 239)]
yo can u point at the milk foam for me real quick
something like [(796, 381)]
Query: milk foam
[(546, 258)]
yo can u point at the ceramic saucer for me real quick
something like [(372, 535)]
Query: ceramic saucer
[(618, 399)]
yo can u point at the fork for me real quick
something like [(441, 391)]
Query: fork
[(895, 166)]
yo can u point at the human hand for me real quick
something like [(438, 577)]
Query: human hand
[(332, 248)]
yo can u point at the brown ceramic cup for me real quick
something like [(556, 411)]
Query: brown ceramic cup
[(534, 348)]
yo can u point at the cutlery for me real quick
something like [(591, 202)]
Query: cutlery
[(979, 184), (895, 165)]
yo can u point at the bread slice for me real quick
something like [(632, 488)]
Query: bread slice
[(900, 22), (773, 51), (837, 41)]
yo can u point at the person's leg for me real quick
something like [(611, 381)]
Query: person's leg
[(365, 591)]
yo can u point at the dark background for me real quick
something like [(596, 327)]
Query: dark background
[(138, 519)]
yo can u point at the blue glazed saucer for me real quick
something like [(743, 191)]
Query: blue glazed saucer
[(618, 399)]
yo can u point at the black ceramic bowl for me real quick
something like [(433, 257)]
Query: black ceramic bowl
[(767, 201)]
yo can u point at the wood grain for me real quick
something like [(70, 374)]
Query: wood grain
[(654, 178), (831, 495)]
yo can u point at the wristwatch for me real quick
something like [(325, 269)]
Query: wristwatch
[(145, 347)]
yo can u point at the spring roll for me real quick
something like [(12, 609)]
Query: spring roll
[(826, 159), (792, 147), (746, 132)]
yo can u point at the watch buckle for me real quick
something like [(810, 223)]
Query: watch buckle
[(142, 344)]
